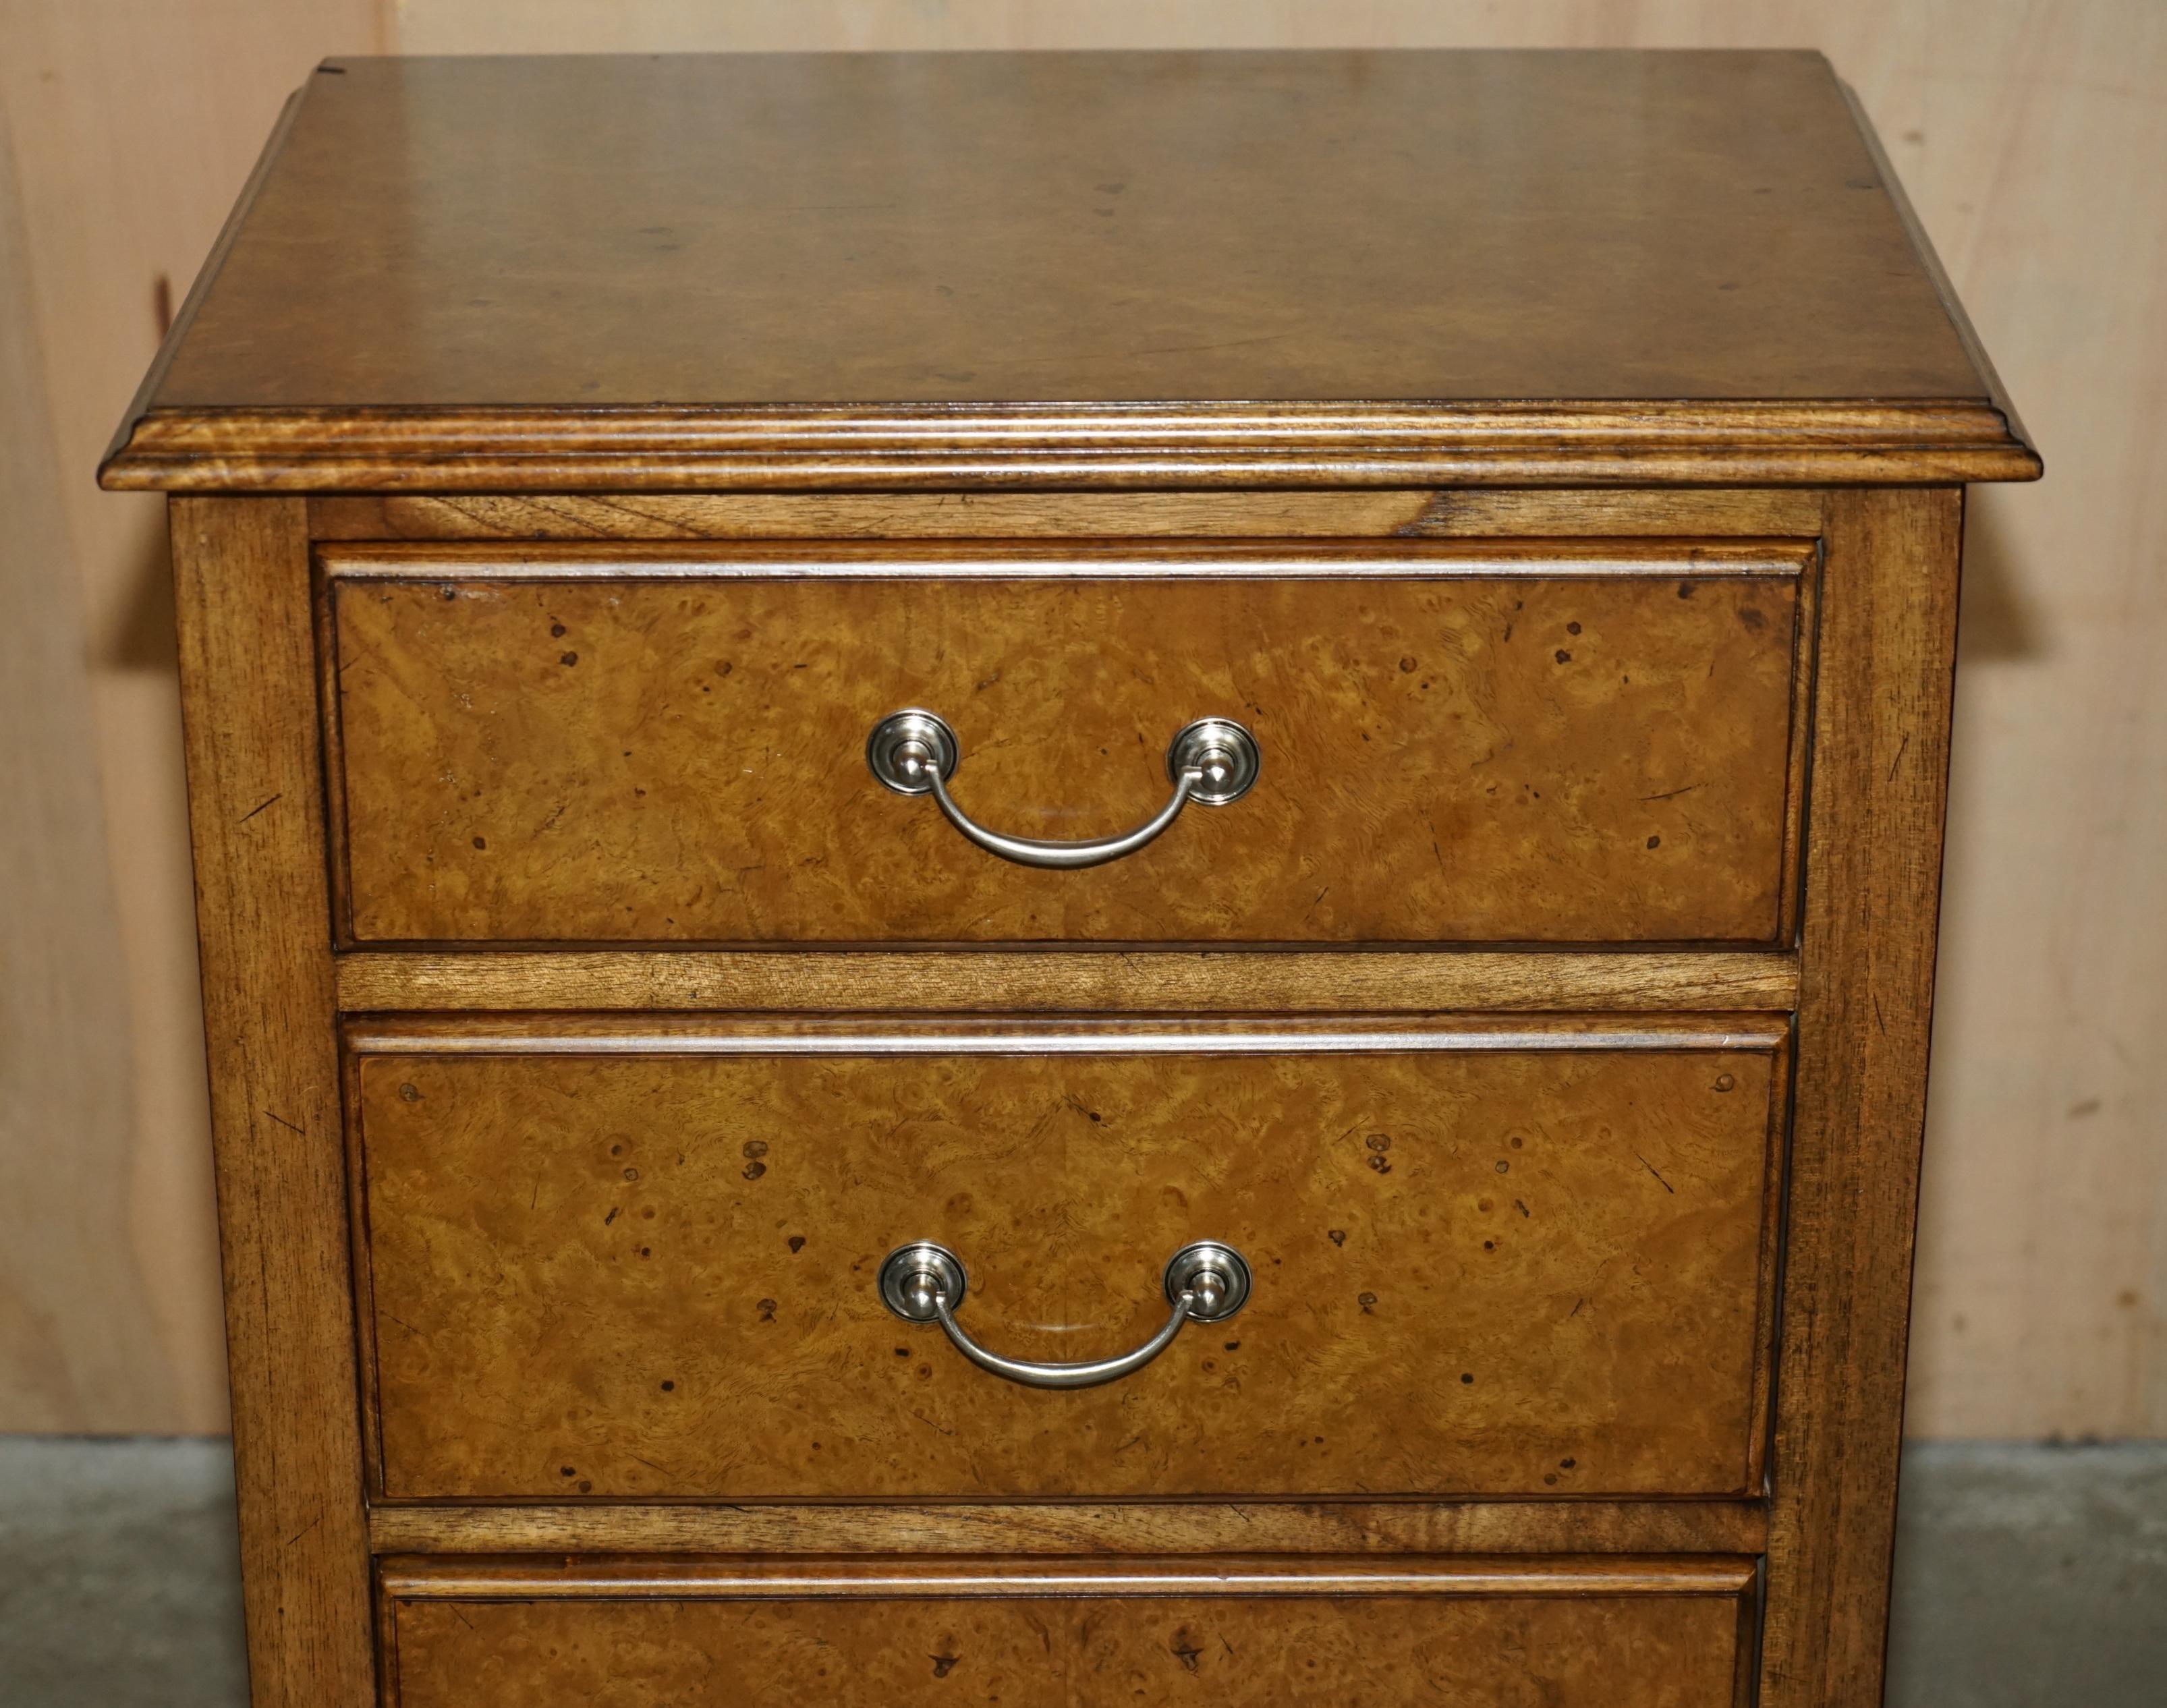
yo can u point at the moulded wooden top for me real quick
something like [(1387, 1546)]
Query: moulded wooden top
[(777, 269)]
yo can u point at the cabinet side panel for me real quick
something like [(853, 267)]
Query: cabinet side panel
[(241, 572), (1874, 824)]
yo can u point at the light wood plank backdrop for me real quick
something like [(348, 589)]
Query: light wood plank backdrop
[(2032, 135)]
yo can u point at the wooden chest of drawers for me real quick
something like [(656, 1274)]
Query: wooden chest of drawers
[(1069, 878)]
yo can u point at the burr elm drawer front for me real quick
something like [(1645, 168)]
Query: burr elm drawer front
[(1577, 744), (1621, 1632), (642, 1260)]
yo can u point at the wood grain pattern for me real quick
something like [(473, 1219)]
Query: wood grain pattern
[(131, 126), (1113, 446), (1677, 513), (2042, 1301), (1204, 298), (1286, 227), (1207, 982), (1575, 1634), (1866, 1006), (67, 1119), (255, 778), (1546, 1526), (1460, 744), (1489, 1259)]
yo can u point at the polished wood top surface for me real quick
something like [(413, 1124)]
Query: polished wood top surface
[(1071, 226), (679, 270)]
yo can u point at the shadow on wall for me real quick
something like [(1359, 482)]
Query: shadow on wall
[(1995, 623), (144, 636)]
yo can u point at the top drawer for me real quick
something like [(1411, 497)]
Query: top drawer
[(1528, 744)]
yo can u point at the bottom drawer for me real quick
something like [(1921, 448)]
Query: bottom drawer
[(1254, 1633)]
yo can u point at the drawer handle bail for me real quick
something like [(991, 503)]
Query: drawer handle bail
[(1205, 1281), (1212, 761)]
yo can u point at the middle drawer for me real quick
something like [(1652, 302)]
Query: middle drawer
[(613, 1259)]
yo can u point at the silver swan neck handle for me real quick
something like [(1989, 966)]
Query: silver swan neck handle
[(1204, 1282), (1211, 761), (1084, 1375), (1065, 856)]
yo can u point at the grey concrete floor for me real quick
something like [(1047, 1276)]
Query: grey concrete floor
[(2026, 1576), (2030, 1577), (120, 1575)]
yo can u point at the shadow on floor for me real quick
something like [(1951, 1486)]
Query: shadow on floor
[(2026, 1576)]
